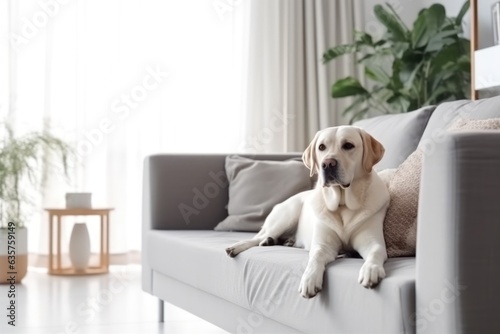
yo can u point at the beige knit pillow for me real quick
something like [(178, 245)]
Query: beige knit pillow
[(400, 225)]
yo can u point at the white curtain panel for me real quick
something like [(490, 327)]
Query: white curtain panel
[(288, 87), (119, 79), (5, 60)]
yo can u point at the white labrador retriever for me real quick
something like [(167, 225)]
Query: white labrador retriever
[(345, 211)]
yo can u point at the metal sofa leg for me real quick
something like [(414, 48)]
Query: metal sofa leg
[(161, 305)]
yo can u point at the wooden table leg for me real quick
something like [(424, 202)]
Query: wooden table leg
[(102, 241), (51, 245), (107, 241), (58, 242)]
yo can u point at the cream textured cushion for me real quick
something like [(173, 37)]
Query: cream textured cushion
[(401, 218)]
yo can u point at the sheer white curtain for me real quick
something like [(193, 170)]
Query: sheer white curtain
[(120, 79), (288, 97)]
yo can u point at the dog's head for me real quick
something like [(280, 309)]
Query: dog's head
[(341, 154)]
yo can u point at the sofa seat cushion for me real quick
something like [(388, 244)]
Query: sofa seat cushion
[(265, 280)]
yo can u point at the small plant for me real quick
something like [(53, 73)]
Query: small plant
[(407, 69), (21, 162)]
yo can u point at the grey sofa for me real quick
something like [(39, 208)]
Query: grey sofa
[(451, 286)]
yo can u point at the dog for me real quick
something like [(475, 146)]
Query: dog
[(343, 213)]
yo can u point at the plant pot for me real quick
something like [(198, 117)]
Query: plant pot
[(79, 246), (13, 254)]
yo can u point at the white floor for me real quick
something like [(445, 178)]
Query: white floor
[(112, 303)]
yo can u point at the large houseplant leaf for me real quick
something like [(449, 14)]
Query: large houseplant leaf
[(427, 25), (461, 14), (348, 87), (338, 51), (441, 39), (397, 30), (377, 73), (362, 39)]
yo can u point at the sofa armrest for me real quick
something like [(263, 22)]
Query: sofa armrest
[(173, 199), (458, 240)]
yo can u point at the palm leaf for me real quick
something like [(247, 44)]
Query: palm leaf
[(363, 38), (392, 23), (462, 12), (396, 15), (427, 25), (20, 164), (377, 73), (338, 51), (348, 87)]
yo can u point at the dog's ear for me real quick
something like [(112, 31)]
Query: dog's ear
[(309, 155), (373, 151)]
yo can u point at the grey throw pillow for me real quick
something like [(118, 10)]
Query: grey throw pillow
[(256, 186), (399, 133)]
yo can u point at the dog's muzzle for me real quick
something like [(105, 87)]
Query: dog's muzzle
[(330, 170)]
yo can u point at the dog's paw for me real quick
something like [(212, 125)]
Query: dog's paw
[(310, 285), (267, 242), (240, 246), (290, 242), (230, 251), (370, 275)]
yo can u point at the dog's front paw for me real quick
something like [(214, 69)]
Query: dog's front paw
[(240, 246), (310, 284), (231, 252), (371, 274)]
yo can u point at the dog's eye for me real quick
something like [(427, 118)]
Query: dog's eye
[(347, 146), (321, 147)]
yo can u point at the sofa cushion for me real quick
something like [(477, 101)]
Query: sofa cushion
[(265, 280), (399, 133), (401, 219), (256, 186)]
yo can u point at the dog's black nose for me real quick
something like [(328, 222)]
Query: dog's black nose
[(329, 163)]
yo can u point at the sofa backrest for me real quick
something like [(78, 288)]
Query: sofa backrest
[(183, 191), (449, 112), (399, 133)]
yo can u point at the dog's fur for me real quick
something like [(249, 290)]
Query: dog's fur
[(344, 212)]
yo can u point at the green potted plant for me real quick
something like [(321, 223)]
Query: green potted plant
[(20, 168), (407, 68)]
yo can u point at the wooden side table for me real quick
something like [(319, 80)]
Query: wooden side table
[(55, 224)]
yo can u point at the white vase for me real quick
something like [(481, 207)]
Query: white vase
[(79, 246)]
